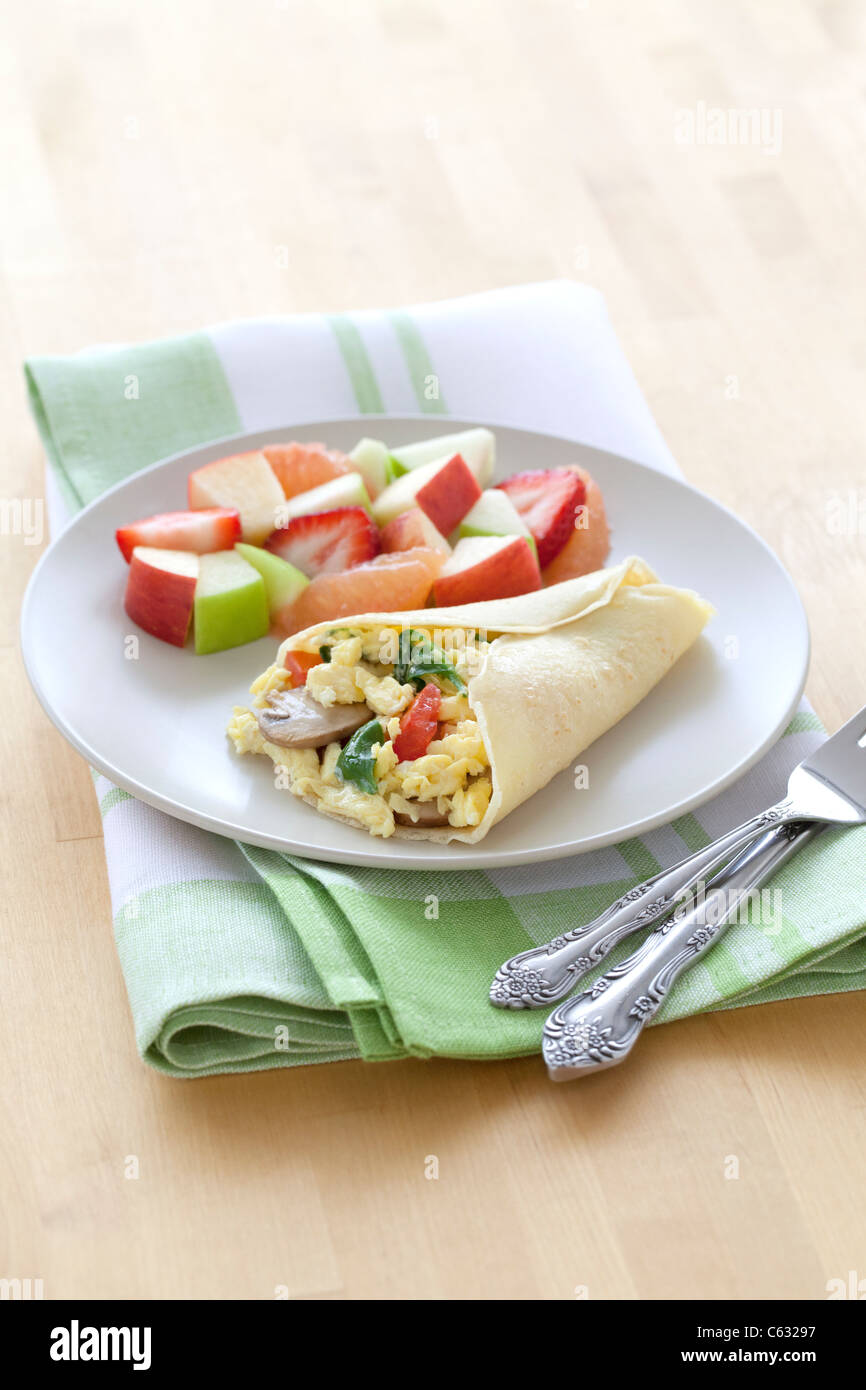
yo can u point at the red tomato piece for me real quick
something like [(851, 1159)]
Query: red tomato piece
[(418, 725), (298, 664)]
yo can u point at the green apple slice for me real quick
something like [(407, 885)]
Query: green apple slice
[(373, 462), (346, 491), (283, 582), (231, 605), (494, 514), (478, 447)]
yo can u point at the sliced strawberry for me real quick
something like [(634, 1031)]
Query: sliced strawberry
[(326, 542), (298, 664), (212, 528), (547, 500), (418, 725)]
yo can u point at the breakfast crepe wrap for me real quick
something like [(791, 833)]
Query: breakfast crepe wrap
[(563, 665)]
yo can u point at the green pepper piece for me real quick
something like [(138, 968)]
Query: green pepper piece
[(357, 763), (325, 653)]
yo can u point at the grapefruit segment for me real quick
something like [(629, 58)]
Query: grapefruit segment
[(300, 467), (389, 584)]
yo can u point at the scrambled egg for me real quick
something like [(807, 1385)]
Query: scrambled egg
[(346, 680), (275, 678), (454, 772), (334, 686), (298, 770)]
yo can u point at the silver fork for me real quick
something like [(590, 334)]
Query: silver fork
[(599, 1028), (829, 786)]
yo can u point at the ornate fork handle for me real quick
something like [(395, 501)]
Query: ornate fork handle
[(598, 1028), (544, 974)]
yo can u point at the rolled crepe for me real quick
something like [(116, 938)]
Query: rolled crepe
[(563, 666)]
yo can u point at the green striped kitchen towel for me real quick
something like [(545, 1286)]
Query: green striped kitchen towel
[(237, 958)]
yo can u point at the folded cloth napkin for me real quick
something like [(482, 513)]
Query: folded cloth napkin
[(238, 958)]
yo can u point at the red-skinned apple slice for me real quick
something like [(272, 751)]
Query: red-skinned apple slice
[(402, 494), (487, 567), (213, 528), (244, 481), (160, 592), (449, 494)]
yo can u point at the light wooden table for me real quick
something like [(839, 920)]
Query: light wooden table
[(155, 157)]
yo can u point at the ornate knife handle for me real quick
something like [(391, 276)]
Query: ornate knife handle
[(544, 974), (598, 1028)]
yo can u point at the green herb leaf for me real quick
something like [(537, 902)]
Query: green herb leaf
[(357, 763), (325, 653), (411, 646), (420, 670), (417, 659)]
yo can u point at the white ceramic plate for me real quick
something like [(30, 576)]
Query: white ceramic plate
[(156, 725)]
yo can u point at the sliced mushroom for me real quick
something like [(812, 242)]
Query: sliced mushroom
[(294, 719), (427, 812)]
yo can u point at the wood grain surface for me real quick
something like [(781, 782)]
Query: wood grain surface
[(155, 159)]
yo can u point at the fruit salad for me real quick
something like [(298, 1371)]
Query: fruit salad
[(293, 534)]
